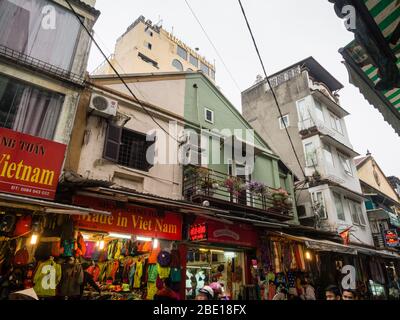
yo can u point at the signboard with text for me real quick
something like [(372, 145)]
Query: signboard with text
[(130, 219), (29, 165), (198, 232), (391, 238)]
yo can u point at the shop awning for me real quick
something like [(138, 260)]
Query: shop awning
[(13, 201), (372, 59), (321, 245), (382, 253)]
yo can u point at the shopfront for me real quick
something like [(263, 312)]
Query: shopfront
[(219, 252), (132, 251)]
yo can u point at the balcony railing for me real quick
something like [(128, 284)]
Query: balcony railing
[(227, 192), (49, 69)]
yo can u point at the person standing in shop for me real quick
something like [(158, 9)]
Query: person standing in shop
[(71, 280), (205, 293), (88, 280), (308, 291), (166, 293), (348, 295)]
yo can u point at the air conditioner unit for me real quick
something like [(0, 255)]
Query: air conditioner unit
[(102, 106)]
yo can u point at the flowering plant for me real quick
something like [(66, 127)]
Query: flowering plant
[(257, 188), (235, 185), (280, 194)]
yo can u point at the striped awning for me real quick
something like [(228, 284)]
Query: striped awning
[(383, 20)]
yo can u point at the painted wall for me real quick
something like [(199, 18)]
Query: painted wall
[(163, 179), (366, 174)]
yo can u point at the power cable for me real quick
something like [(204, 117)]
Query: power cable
[(212, 44), (116, 72), (272, 90)]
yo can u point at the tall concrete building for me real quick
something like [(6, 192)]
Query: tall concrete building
[(147, 48), (330, 197)]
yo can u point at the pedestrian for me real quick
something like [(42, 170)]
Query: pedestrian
[(166, 293), (348, 294), (308, 291), (205, 293), (281, 295), (332, 292)]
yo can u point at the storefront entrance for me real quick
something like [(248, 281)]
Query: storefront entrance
[(207, 265)]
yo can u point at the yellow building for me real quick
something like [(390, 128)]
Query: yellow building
[(148, 48)]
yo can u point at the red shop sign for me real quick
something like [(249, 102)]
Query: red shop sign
[(198, 232), (29, 165), (131, 219), (234, 234)]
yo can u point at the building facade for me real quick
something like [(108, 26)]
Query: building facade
[(382, 203), (330, 197), (146, 47)]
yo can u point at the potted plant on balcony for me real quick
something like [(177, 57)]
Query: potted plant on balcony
[(279, 197), (235, 186)]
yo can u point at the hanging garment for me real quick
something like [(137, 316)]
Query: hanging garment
[(154, 254), (118, 247), (42, 275), (175, 259), (271, 291), (163, 272), (138, 275), (68, 248), (151, 290), (132, 272), (176, 275), (152, 273), (94, 271), (23, 226), (90, 249), (114, 269), (80, 247)]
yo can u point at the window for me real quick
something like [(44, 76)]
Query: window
[(354, 214), (29, 109), (319, 204), (148, 45), (284, 122), (328, 154), (204, 68), (148, 31), (148, 60), (357, 215), (127, 148), (194, 61), (177, 65), (345, 164), (182, 53), (318, 112), (339, 206), (21, 30), (336, 123), (311, 155), (209, 115), (303, 110)]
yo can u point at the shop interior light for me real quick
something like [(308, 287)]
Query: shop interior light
[(86, 236), (146, 239), (101, 245), (34, 239), (119, 236), (155, 243), (308, 255), (218, 251), (229, 254)]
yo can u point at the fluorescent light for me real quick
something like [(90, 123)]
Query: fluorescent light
[(120, 236), (155, 243), (147, 239), (34, 239), (218, 251), (230, 254)]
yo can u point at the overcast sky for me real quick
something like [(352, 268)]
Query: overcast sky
[(287, 31)]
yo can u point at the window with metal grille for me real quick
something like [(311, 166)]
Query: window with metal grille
[(128, 148)]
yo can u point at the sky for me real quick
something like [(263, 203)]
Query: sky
[(287, 31)]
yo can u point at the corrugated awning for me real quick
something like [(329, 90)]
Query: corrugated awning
[(372, 59), (13, 201)]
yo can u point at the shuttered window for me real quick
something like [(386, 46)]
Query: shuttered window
[(128, 148)]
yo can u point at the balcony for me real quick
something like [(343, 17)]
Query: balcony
[(235, 194), (310, 127), (39, 65)]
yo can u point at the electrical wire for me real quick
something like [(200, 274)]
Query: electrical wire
[(212, 44), (272, 90), (116, 72)]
